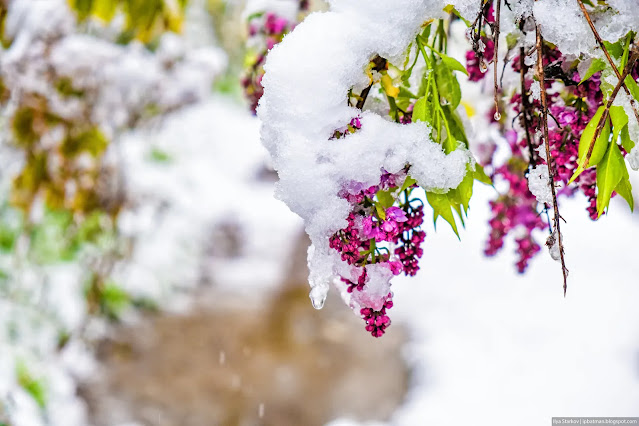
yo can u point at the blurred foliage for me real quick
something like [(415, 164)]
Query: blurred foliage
[(29, 383), (66, 173), (145, 20)]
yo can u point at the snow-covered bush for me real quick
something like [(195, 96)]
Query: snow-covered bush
[(363, 117), (72, 81)]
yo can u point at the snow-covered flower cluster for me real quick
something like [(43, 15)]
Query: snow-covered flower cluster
[(343, 165)]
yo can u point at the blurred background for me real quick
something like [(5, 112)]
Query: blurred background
[(149, 277)]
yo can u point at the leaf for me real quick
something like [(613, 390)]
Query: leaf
[(447, 85), (627, 143), (511, 40), (624, 189), (481, 176), (619, 120), (455, 124), (387, 85), (422, 110), (381, 212), (463, 193), (595, 66), (450, 143), (600, 148), (105, 9), (442, 207), (632, 86), (451, 9), (615, 49), (385, 198), (609, 173), (31, 385), (408, 183), (452, 63)]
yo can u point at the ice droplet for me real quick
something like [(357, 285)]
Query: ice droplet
[(497, 116), (318, 296), (483, 65)]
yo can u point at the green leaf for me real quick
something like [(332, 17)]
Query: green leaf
[(34, 387), (632, 86), (452, 63), (450, 143), (511, 40), (385, 198), (455, 124), (601, 145), (114, 299), (615, 49), (442, 207), (105, 9), (627, 143), (381, 212), (481, 176), (609, 173), (624, 189), (423, 111), (408, 183), (463, 193), (595, 66), (447, 85), (451, 9), (619, 121)]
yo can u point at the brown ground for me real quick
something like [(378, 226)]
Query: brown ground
[(235, 363)]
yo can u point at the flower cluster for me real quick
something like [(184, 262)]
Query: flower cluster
[(265, 31), (382, 239), (571, 106)]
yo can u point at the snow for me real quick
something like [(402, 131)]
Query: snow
[(539, 184)]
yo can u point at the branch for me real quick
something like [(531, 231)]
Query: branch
[(604, 116), (496, 56), (551, 170), (525, 107), (612, 64)]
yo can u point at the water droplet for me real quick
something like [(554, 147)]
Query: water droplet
[(444, 102), (318, 296), (222, 357), (483, 65), (497, 116), (260, 410), (318, 303)]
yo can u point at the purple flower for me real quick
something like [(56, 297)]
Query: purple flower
[(396, 214)]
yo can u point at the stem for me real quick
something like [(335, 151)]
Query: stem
[(525, 107), (496, 54), (551, 170), (612, 64)]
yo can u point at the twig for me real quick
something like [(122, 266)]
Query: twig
[(525, 105), (496, 56), (604, 116), (612, 64), (551, 170)]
